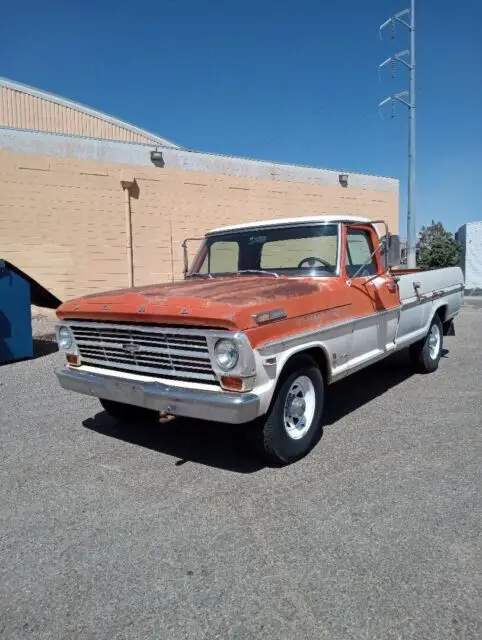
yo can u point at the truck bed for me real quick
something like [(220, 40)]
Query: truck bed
[(434, 281), (422, 293)]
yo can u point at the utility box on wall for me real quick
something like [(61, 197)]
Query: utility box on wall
[(15, 317)]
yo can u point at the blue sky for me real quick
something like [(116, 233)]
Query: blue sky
[(272, 79)]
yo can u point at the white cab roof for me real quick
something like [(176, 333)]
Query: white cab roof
[(288, 221)]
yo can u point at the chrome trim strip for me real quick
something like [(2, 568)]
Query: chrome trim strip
[(431, 297), (455, 288), (149, 329), (172, 351), (158, 370), (216, 406), (267, 348), (415, 303)]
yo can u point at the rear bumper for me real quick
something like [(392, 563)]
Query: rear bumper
[(216, 406)]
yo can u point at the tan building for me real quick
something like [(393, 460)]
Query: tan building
[(90, 203)]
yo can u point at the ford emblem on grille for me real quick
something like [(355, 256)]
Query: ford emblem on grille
[(130, 347)]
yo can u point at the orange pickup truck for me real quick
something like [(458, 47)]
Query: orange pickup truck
[(268, 315)]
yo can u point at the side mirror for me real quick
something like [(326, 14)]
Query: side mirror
[(185, 258), (185, 253), (387, 249)]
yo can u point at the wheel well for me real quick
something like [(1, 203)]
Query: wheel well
[(442, 313), (318, 355)]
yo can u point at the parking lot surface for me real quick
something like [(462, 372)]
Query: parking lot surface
[(177, 531)]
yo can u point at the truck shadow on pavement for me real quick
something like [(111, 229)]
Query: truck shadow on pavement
[(207, 443), (362, 387), (224, 446), (366, 385), (44, 346)]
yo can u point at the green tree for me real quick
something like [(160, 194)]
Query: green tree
[(437, 247)]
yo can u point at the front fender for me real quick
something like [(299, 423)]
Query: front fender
[(270, 367)]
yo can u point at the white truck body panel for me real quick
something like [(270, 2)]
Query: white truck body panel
[(440, 287)]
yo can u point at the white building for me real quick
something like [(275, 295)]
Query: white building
[(470, 237)]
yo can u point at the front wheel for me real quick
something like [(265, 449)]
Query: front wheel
[(292, 425), (426, 353)]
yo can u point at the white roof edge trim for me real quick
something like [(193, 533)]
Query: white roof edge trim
[(287, 221), (279, 163), (65, 102)]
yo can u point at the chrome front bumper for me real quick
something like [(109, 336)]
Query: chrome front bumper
[(216, 406)]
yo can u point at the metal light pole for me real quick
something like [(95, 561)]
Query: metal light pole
[(411, 226), (408, 99)]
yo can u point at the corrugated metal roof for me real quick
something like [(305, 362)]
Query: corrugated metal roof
[(24, 107)]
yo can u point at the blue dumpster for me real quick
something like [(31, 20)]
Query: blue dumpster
[(15, 318), (17, 292)]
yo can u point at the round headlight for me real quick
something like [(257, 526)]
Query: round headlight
[(65, 338), (226, 353)]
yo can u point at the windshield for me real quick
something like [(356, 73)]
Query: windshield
[(296, 250)]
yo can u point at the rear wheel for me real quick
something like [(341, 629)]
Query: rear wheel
[(426, 353), (128, 412), (292, 425)]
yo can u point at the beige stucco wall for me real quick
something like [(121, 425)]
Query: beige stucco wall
[(63, 220)]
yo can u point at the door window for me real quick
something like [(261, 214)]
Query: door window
[(359, 248), (222, 257)]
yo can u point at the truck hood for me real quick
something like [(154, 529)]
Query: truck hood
[(226, 303)]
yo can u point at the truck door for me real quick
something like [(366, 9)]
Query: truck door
[(374, 297)]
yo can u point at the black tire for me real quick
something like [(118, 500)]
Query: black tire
[(423, 358), (270, 434), (128, 412)]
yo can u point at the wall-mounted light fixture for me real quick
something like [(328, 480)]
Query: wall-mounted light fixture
[(157, 158), (343, 179)]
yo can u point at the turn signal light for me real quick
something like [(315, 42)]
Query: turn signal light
[(232, 383), (73, 360)]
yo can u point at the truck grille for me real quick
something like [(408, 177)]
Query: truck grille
[(163, 352)]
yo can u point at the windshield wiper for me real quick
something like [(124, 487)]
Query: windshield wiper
[(199, 275), (257, 271), (235, 273)]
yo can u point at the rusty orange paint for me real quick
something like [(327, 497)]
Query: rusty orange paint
[(231, 302), (325, 301)]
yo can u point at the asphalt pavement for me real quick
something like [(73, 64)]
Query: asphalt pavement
[(178, 532)]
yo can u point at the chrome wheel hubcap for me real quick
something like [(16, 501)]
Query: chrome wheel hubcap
[(299, 409), (434, 341)]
